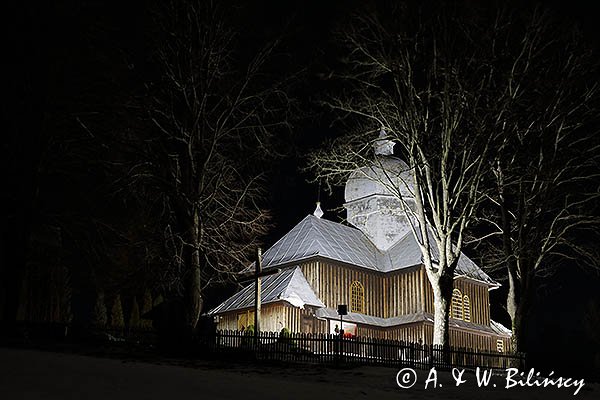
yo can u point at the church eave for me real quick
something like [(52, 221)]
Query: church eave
[(367, 196), (318, 257), (491, 285)]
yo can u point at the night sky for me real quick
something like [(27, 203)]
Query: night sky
[(70, 63), (96, 50)]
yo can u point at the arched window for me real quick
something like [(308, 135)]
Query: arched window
[(357, 297), (500, 346), (456, 310), (466, 308)]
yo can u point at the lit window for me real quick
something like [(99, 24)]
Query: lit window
[(245, 319), (500, 345), (466, 308), (357, 300), (456, 310)]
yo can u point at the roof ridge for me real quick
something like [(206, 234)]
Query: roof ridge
[(326, 221)]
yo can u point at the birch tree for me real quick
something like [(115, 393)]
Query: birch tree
[(420, 82)]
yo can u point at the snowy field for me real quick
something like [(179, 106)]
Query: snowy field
[(29, 374)]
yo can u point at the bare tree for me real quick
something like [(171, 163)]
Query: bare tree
[(420, 81), (545, 170), (212, 119)]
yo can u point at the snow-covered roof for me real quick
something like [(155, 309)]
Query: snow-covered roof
[(406, 253), (289, 285), (315, 236), (330, 313), (319, 237), (499, 328)]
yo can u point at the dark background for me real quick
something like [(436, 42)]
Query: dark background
[(66, 59)]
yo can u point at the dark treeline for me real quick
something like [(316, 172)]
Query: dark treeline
[(97, 207)]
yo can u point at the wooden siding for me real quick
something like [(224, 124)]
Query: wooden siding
[(273, 317), (403, 292), (227, 322), (478, 296), (470, 339), (413, 333), (331, 282), (386, 295)]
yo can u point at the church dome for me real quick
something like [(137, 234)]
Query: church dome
[(382, 177), (377, 196)]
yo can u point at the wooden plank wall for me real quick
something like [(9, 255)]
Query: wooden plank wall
[(470, 339), (404, 292), (228, 322), (387, 295), (413, 333), (331, 282), (477, 292), (480, 299), (273, 318)]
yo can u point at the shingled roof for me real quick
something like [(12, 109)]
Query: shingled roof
[(289, 285), (315, 236), (319, 237)]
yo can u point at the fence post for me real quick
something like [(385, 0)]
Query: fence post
[(342, 355), (218, 344), (337, 344), (430, 356)]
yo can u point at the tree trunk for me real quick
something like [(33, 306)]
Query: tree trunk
[(518, 330), (517, 305), (514, 303), (193, 299), (442, 295)]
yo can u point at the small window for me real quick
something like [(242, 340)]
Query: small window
[(245, 319), (500, 346), (456, 310), (466, 308), (357, 299)]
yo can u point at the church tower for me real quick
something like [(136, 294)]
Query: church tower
[(373, 196)]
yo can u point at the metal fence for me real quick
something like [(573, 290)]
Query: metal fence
[(333, 349)]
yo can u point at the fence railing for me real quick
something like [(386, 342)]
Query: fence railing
[(332, 349)]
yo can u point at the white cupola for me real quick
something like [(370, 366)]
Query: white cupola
[(373, 195)]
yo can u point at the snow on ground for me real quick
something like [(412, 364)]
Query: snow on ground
[(30, 374)]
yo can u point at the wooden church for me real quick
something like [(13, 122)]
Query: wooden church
[(373, 265)]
